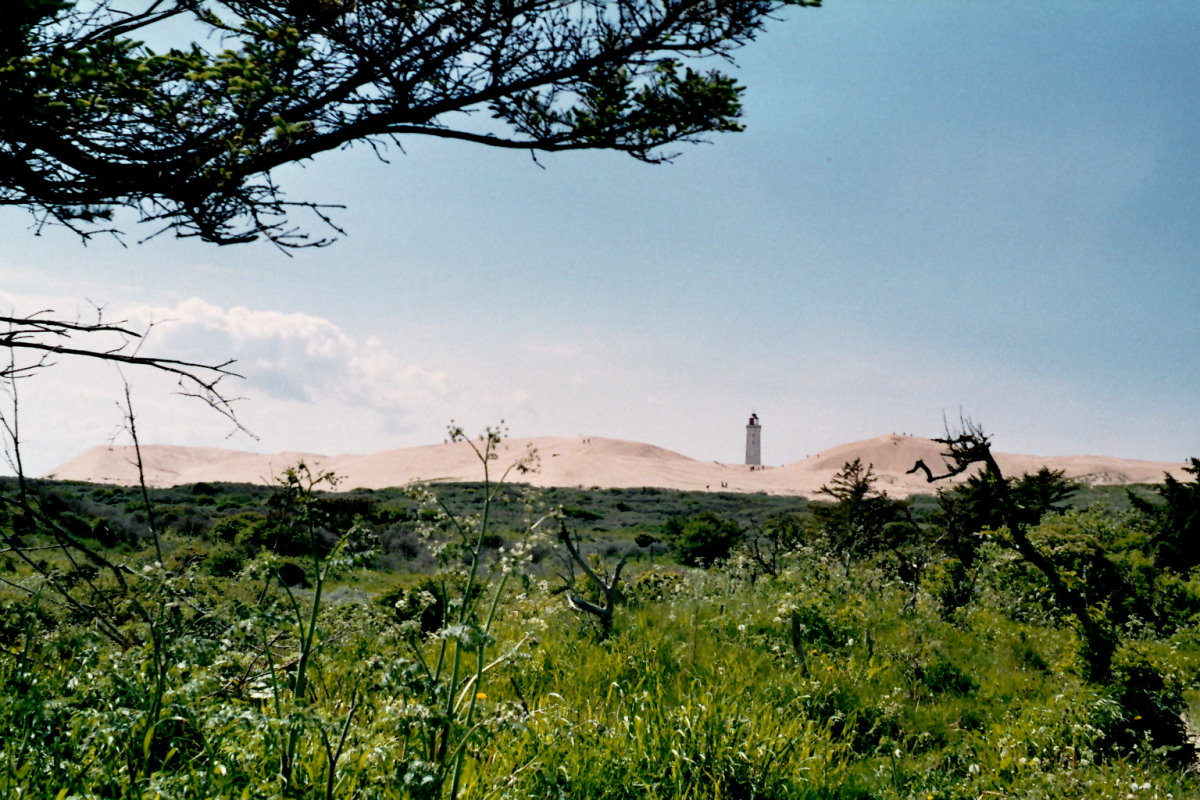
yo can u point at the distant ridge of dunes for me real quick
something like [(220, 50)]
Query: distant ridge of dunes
[(581, 461)]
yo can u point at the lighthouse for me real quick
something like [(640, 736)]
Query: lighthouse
[(753, 441)]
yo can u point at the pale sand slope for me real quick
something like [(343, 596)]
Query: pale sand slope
[(593, 462)]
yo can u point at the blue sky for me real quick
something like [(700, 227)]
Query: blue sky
[(986, 207)]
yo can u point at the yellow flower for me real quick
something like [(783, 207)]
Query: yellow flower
[(481, 695)]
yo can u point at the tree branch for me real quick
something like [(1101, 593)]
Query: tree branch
[(971, 446), (188, 138), (608, 588), (195, 379)]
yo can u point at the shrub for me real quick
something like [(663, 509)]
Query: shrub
[(574, 512), (424, 603), (223, 562), (704, 539), (292, 574), (1151, 711), (655, 585), (240, 528), (944, 677), (810, 628)]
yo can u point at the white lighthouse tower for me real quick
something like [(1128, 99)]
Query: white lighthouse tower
[(753, 441)]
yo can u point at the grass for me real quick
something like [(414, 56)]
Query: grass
[(820, 682)]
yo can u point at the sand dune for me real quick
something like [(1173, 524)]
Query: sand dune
[(575, 461)]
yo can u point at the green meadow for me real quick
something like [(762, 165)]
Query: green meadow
[(225, 641)]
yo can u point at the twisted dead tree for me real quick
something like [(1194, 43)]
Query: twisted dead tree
[(972, 446), (605, 585)]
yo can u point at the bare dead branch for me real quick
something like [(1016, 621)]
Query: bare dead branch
[(50, 338), (606, 585)]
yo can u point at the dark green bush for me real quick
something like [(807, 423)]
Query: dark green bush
[(704, 539), (1175, 520), (237, 528), (574, 512), (810, 628), (645, 540), (944, 677), (653, 586), (1151, 708), (292, 574), (223, 562), (424, 603)]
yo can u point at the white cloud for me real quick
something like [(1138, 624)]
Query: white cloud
[(290, 356), (309, 386)]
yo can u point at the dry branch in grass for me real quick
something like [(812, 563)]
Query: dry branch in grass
[(606, 585)]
